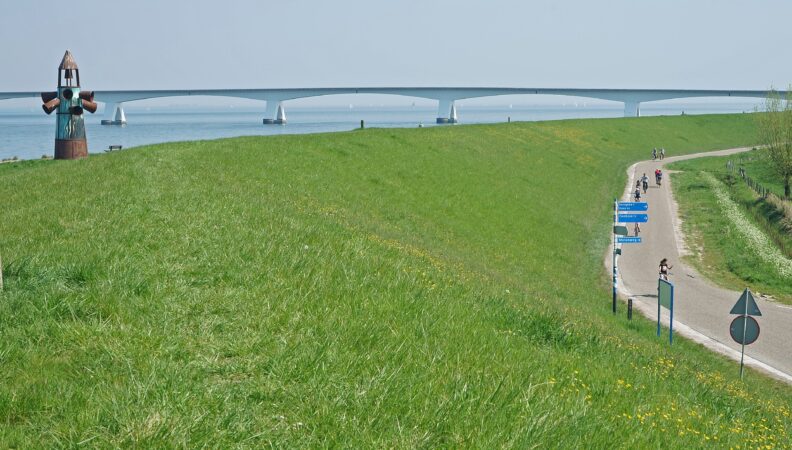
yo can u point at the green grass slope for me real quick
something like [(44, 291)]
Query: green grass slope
[(431, 288), (719, 248)]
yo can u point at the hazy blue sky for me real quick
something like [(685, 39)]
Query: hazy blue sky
[(158, 44)]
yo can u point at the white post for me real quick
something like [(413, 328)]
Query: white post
[(444, 110), (632, 109), (114, 114), (280, 118), (271, 111), (119, 118), (108, 113)]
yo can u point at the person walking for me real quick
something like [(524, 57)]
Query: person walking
[(636, 229), (664, 268)]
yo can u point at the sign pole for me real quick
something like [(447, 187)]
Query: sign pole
[(745, 308), (742, 352), (671, 319), (658, 308), (615, 266), (744, 332)]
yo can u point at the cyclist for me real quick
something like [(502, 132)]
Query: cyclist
[(664, 268)]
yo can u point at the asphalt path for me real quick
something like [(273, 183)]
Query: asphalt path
[(701, 309)]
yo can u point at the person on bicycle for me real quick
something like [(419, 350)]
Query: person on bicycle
[(637, 195), (664, 268), (654, 153), (645, 182)]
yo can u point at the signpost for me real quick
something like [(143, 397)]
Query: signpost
[(665, 297), (620, 233), (744, 329)]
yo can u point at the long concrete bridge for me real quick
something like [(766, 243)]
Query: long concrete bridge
[(445, 96)]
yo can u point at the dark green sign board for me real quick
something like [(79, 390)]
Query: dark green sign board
[(746, 305), (744, 330), (665, 297), (664, 293)]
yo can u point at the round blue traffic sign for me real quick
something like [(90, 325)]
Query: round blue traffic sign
[(744, 330)]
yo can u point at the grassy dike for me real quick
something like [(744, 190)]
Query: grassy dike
[(436, 287)]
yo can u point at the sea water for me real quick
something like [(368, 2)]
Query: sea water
[(29, 133)]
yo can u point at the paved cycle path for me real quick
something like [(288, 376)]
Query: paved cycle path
[(701, 309)]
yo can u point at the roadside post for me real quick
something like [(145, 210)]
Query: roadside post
[(744, 329), (617, 230), (620, 234), (665, 297)]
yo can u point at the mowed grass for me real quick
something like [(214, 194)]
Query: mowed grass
[(719, 249), (436, 287)]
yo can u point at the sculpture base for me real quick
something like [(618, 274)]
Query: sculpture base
[(446, 120), (273, 121), (71, 148)]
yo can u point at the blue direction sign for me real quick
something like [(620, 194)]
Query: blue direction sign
[(632, 218), (633, 206), (628, 239)]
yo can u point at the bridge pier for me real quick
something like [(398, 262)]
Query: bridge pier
[(115, 114), (446, 111), (632, 109), (275, 113)]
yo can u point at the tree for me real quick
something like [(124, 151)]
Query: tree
[(775, 132)]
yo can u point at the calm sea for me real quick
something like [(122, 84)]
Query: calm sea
[(29, 133)]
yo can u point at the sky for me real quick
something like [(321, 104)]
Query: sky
[(176, 44)]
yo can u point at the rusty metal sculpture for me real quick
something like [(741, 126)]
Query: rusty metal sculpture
[(70, 102)]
